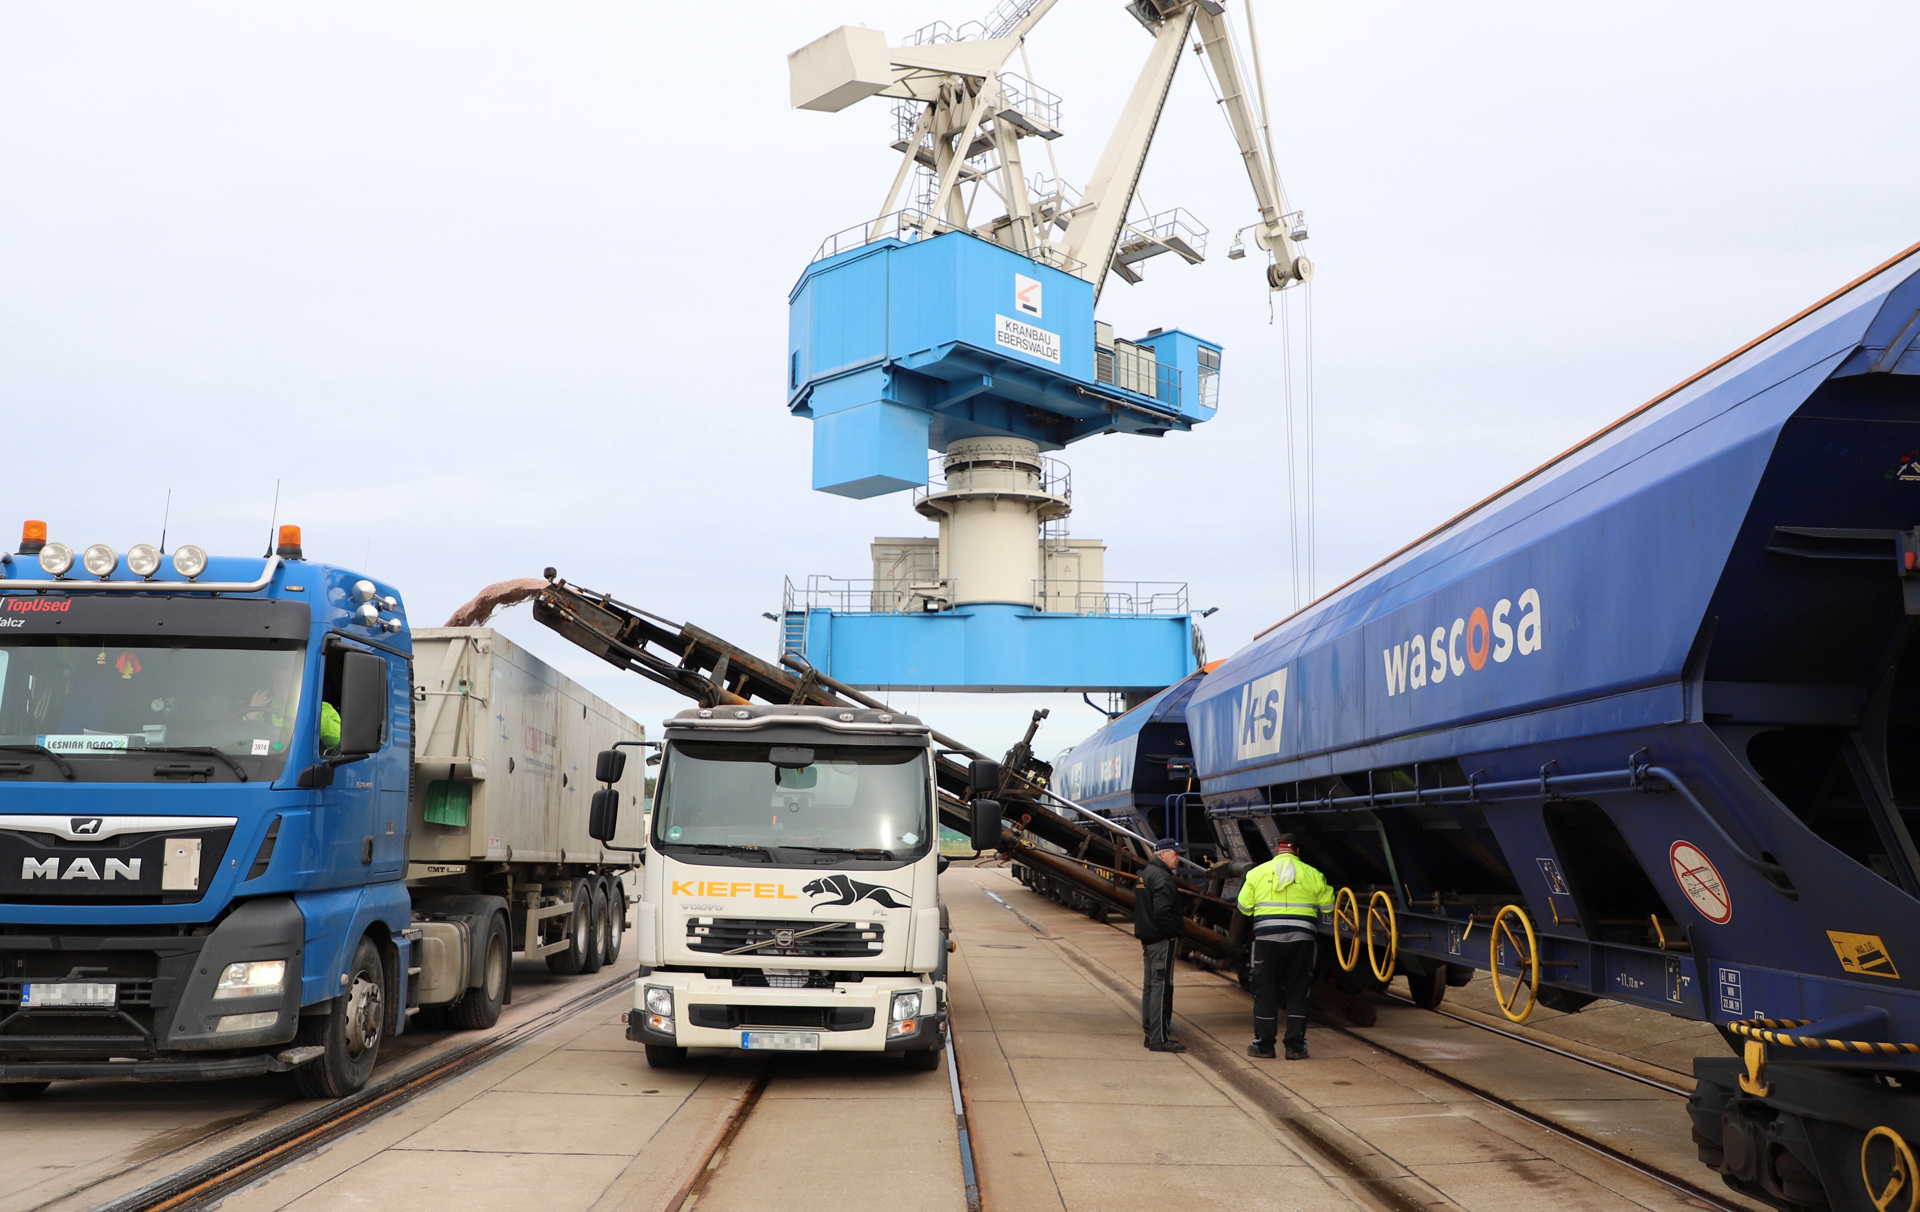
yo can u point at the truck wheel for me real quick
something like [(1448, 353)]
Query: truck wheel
[(573, 960), (926, 1060), (596, 929), (17, 1092), (665, 1056), (348, 1033), (480, 1008), (616, 920)]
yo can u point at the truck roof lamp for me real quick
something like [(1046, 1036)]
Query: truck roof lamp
[(143, 560), (288, 547), (55, 559), (100, 560), (33, 536), (189, 561)]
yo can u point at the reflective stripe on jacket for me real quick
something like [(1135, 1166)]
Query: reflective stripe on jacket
[(1287, 887)]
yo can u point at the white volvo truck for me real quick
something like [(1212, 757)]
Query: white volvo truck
[(790, 897)]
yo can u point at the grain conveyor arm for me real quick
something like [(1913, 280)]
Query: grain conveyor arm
[(714, 672)]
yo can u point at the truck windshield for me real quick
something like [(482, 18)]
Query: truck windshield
[(868, 801), (87, 697)]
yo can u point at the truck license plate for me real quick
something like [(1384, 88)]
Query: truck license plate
[(781, 1041), (47, 994)]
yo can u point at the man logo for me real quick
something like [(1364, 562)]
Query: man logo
[(1263, 708), (85, 824)]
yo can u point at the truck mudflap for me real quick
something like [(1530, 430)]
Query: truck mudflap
[(853, 1018), (170, 1070)]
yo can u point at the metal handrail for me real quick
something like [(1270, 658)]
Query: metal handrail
[(1112, 597), (1637, 777)]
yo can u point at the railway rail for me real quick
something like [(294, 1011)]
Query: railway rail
[(210, 1179), (1678, 1184)]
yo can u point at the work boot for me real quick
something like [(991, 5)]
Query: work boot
[(1295, 1052), (1260, 1051), (1167, 1045)]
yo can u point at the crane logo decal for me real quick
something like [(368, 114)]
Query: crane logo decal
[(846, 891), (1026, 295)]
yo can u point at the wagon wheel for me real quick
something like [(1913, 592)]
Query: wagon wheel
[(1346, 912), (1380, 909), (1527, 960), (1900, 1173)]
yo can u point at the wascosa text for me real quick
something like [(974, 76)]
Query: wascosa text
[(1466, 646)]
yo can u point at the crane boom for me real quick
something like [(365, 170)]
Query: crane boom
[(1274, 232), (1094, 232)]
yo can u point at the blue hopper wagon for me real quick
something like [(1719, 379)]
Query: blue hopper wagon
[(1644, 725)]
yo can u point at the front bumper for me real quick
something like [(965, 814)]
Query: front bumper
[(850, 1017), (176, 1069), (164, 1003)]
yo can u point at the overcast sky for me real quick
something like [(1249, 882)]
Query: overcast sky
[(490, 287)]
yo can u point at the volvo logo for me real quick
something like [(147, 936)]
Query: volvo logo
[(86, 825), (783, 938)]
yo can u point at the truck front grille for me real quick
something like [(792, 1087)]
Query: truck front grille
[(817, 1018), (761, 938)]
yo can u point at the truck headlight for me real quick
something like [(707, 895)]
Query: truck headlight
[(55, 559), (905, 1006), (262, 978), (659, 1001)]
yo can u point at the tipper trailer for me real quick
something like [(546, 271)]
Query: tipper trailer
[(250, 821)]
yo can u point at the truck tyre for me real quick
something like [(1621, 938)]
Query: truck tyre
[(596, 928), (348, 1033), (16, 1092), (616, 920), (926, 1060), (665, 1056), (480, 1008), (573, 960)]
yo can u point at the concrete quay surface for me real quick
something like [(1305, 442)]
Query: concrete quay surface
[(1068, 1112), (1072, 1114)]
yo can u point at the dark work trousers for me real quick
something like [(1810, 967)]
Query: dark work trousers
[(1156, 991), (1281, 971)]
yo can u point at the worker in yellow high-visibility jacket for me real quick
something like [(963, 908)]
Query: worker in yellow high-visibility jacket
[(1285, 899)]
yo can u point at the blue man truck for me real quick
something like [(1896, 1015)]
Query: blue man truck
[(252, 821)]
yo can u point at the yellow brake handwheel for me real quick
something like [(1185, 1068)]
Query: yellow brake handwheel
[(1346, 912), (1380, 909), (1901, 1176), (1528, 960)]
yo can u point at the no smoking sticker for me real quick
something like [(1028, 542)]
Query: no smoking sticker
[(1700, 880)]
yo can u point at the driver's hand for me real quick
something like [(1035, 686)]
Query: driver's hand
[(260, 698)]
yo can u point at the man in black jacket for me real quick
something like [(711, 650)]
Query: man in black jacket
[(1156, 923)]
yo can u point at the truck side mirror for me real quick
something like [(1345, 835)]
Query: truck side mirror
[(603, 812), (609, 766), (986, 824), (363, 703), (983, 775)]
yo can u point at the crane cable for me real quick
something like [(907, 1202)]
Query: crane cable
[(1297, 485)]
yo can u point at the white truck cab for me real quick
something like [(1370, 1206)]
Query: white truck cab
[(790, 899)]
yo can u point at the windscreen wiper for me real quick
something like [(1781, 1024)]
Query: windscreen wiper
[(201, 750), (861, 852), (724, 848), (43, 751)]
